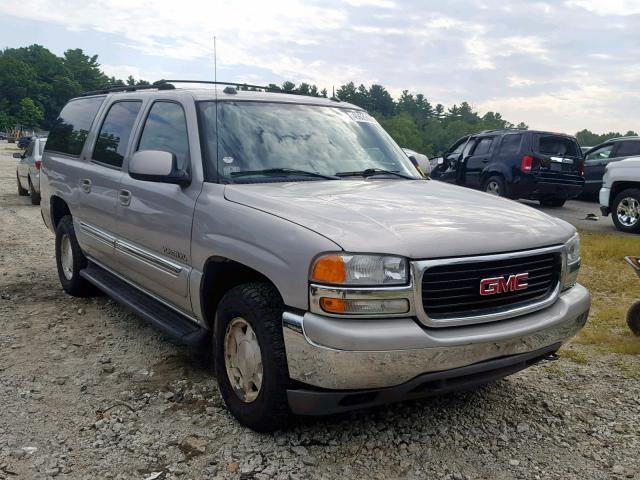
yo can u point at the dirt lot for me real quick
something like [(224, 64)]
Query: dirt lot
[(89, 391)]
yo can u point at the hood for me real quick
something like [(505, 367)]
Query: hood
[(416, 219), (625, 163)]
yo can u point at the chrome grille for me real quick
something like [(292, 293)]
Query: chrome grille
[(453, 290)]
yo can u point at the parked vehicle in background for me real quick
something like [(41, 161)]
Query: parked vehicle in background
[(24, 142), (620, 194), (516, 163), (323, 272), (419, 160), (3, 136), (633, 314), (28, 170), (597, 159), (11, 138)]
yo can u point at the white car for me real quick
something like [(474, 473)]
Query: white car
[(28, 170), (620, 194)]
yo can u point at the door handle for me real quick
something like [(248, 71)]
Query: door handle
[(124, 196), (86, 185)]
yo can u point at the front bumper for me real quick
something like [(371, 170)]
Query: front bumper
[(337, 354), (604, 197)]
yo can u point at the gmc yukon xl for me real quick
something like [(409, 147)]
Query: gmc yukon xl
[(294, 240)]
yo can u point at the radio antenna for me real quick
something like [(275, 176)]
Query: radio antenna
[(215, 60)]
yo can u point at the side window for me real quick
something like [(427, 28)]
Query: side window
[(166, 129), (70, 130), (458, 148), (469, 147), (113, 138), (484, 146), (628, 149), (600, 154), (511, 144)]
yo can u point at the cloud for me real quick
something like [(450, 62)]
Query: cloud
[(540, 61)]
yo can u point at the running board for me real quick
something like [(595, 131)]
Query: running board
[(183, 330)]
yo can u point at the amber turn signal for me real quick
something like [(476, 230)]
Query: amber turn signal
[(329, 269), (333, 305)]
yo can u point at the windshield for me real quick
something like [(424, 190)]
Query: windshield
[(259, 140)]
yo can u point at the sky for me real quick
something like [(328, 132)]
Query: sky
[(562, 66)]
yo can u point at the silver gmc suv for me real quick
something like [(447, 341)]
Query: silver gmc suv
[(296, 242)]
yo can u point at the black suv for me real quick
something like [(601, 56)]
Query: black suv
[(598, 157), (515, 163)]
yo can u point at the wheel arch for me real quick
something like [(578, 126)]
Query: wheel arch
[(59, 209), (618, 187), (221, 274)]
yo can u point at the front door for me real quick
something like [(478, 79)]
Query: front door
[(475, 163), (155, 219), (594, 165)]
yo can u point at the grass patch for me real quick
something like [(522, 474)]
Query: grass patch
[(555, 369), (574, 355), (614, 287)]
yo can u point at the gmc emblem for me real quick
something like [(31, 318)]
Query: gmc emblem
[(495, 285)]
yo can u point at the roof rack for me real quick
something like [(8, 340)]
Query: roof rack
[(129, 88), (503, 129), (169, 85), (622, 138)]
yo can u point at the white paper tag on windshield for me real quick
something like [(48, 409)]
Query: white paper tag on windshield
[(359, 116)]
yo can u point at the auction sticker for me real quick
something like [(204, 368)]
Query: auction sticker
[(360, 116)]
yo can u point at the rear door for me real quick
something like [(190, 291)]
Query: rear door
[(100, 180), (594, 164), (475, 163), (154, 219)]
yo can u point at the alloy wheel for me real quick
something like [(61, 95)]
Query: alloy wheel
[(628, 212), (493, 188), (243, 359), (66, 256)]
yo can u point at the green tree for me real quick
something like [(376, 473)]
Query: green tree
[(85, 69), (29, 114)]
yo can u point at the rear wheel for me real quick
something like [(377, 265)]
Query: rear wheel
[(626, 210), (495, 185), (633, 318), (35, 196), (70, 260), (250, 360), (23, 192), (553, 202)]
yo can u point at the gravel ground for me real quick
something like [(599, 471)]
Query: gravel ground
[(89, 391)]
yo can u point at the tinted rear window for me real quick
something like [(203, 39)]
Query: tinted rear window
[(626, 149), (511, 144), (72, 127), (113, 138), (555, 145)]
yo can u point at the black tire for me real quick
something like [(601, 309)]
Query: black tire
[(495, 185), (23, 192), (35, 196), (625, 195), (553, 202), (633, 318), (260, 305), (72, 282)]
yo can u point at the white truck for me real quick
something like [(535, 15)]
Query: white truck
[(620, 194)]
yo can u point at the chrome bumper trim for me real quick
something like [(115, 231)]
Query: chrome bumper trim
[(361, 354)]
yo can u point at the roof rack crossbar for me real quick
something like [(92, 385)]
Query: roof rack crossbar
[(128, 88)]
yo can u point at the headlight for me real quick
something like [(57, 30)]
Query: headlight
[(348, 269), (572, 267)]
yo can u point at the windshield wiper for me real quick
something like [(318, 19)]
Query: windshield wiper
[(283, 171), (371, 172)]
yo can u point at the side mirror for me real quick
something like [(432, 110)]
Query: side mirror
[(441, 161), (17, 155), (421, 162), (157, 166)]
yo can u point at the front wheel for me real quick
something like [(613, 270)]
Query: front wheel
[(633, 318), (626, 210), (70, 260), (250, 360), (23, 192), (553, 202), (35, 196)]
